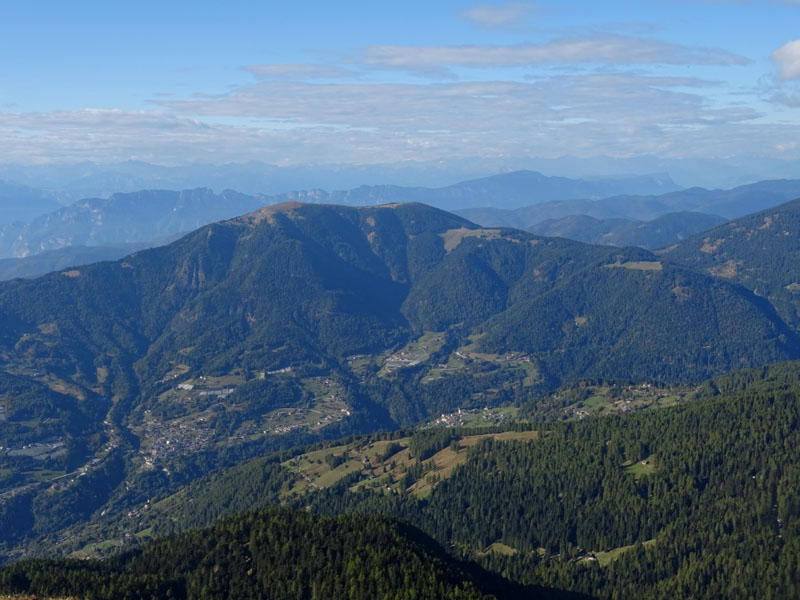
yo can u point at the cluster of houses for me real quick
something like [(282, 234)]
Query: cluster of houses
[(466, 415), (167, 439)]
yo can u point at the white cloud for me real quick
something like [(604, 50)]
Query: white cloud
[(292, 122), (94, 134), (618, 50), (787, 57), (615, 114), (499, 16)]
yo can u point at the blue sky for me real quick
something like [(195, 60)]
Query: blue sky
[(378, 82)]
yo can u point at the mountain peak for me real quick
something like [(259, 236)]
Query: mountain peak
[(267, 213)]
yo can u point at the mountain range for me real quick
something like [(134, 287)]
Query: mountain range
[(730, 204), (507, 191), (142, 217), (73, 181), (22, 203), (351, 319), (380, 276), (148, 217), (165, 371)]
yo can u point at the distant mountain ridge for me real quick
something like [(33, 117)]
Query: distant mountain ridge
[(658, 233), (509, 190), (71, 182), (730, 204), (140, 217), (21, 203)]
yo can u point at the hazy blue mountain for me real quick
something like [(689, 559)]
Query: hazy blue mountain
[(528, 216), (735, 202), (658, 233), (36, 265), (21, 203), (730, 204), (582, 228), (138, 217), (71, 182), (507, 190), (687, 172)]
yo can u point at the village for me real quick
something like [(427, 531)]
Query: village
[(161, 440), (195, 430), (474, 417), (585, 400)]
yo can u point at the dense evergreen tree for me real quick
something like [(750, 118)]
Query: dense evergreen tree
[(277, 554)]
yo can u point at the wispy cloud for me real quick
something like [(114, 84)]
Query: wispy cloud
[(787, 58), (277, 121), (616, 50), (499, 16), (618, 114), (787, 99), (298, 71)]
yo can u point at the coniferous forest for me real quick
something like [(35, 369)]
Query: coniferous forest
[(697, 501)]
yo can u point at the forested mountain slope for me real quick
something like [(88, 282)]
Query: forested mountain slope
[(760, 252), (697, 500), (298, 283), (276, 554), (40, 264), (298, 323), (693, 501)]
